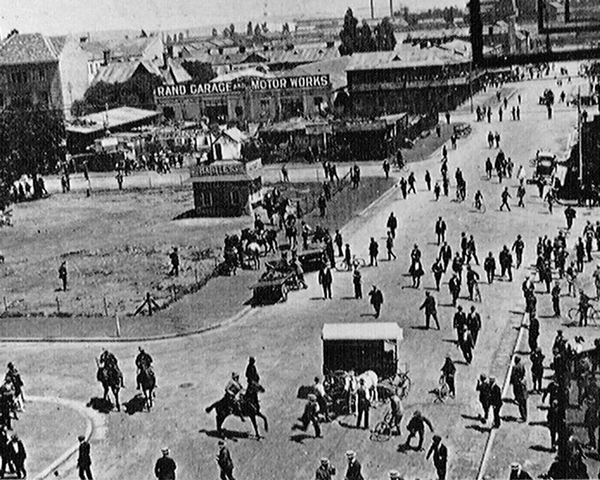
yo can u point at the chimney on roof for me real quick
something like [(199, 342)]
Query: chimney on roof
[(83, 39), (106, 56), (330, 44)]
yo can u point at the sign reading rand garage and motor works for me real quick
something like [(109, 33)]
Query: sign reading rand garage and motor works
[(255, 84)]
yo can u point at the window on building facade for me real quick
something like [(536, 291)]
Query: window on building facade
[(43, 98), (19, 77), (206, 199), (292, 107), (1, 100), (234, 197)]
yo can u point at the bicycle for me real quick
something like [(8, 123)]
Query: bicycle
[(342, 266), (402, 383), (442, 392), (593, 315), (383, 429)]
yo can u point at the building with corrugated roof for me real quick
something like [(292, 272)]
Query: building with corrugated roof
[(410, 79), (40, 70)]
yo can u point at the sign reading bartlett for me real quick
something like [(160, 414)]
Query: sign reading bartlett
[(255, 84)]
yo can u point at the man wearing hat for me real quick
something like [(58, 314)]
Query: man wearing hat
[(165, 466), (495, 401), (417, 425), (310, 415), (326, 471), (18, 455), (354, 468), (440, 456), (84, 461), (395, 475), (363, 396), (517, 473), (225, 462), (376, 300)]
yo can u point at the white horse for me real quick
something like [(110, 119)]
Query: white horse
[(253, 253), (352, 382)]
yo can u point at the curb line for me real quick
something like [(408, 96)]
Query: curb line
[(89, 430), (169, 336), (488, 446)]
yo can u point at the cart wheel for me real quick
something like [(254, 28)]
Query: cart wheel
[(382, 432), (284, 292)]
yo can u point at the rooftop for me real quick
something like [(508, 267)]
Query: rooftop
[(117, 117), (335, 68), (362, 331), (120, 72), (30, 48)]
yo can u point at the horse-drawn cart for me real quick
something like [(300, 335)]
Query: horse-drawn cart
[(352, 351)]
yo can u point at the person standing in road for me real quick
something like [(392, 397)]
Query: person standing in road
[(62, 275), (174, 257), (454, 287), (354, 468), (438, 270), (364, 404), (489, 265), (348, 257), (506, 263), (84, 461), (537, 369), (373, 252), (310, 415), (325, 471), (252, 375), (225, 462), (483, 387), (430, 310), (466, 344), (386, 169), (440, 456), (428, 180), (521, 195), (517, 473), (437, 190), (165, 466), (440, 230), (412, 182), (495, 401), (459, 321), (445, 255), (392, 224), (596, 277), (556, 298), (357, 282), (376, 300), (474, 324), (570, 215), (403, 187), (472, 278), (534, 332), (18, 455), (325, 280), (337, 239)]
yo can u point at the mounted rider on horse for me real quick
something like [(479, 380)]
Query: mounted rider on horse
[(109, 363), (143, 362), (231, 399)]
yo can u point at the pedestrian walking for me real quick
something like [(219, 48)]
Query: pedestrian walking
[(506, 263), (474, 324), (389, 245), (445, 185), (285, 174), (489, 168), (62, 275), (310, 416), (517, 473), (505, 196), (325, 280), (448, 118), (397, 410), (386, 169), (437, 190), (440, 456), (325, 471), (533, 332), (445, 255), (521, 195), (430, 308), (84, 460), (225, 462), (403, 187), (428, 180), (412, 181), (18, 455), (438, 270), (483, 387), (449, 372), (519, 247), (353, 471), (339, 242), (373, 252), (376, 300), (458, 322), (466, 344), (165, 466), (348, 257), (119, 178), (174, 258), (570, 215), (454, 288), (472, 278), (357, 282), (416, 427)]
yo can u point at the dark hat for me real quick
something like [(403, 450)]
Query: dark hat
[(81, 438), (221, 442), (437, 438)]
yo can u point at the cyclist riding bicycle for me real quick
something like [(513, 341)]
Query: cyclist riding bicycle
[(584, 305), (478, 200)]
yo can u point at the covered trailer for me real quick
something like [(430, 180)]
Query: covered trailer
[(361, 347)]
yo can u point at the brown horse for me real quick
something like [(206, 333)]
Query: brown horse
[(147, 381), (110, 378), (248, 406)]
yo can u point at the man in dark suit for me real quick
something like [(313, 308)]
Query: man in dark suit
[(326, 279), (376, 300), (440, 456), (225, 462), (165, 466), (84, 461), (354, 468), (17, 455), (495, 401)]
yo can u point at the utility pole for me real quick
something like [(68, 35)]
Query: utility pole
[(580, 134), (392, 9), (372, 11)]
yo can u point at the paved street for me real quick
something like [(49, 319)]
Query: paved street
[(285, 339)]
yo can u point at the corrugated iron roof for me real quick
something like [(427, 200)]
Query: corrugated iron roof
[(246, 73), (27, 48), (119, 48), (120, 72), (335, 68), (115, 117), (304, 55)]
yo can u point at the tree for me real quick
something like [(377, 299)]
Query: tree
[(349, 34), (250, 29), (200, 72), (364, 38), (232, 29), (384, 35), (31, 143)]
